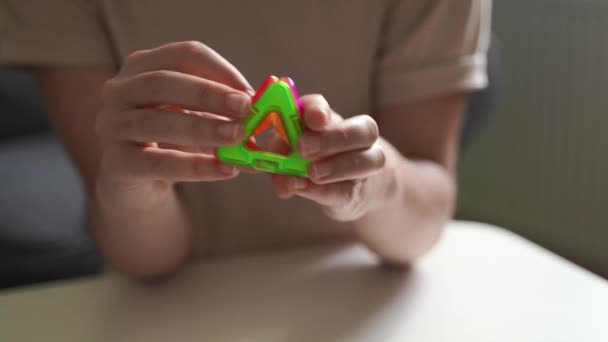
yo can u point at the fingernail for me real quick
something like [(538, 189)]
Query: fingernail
[(230, 131), (311, 145), (227, 170), (238, 104), (320, 170), (298, 183)]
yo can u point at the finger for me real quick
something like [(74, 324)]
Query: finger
[(350, 134), (151, 89), (317, 113), (188, 57), (192, 148), (286, 186), (154, 163), (347, 166), (188, 148), (282, 186), (144, 125)]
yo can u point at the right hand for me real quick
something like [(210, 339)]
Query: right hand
[(161, 118)]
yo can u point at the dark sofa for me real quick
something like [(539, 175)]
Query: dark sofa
[(42, 235)]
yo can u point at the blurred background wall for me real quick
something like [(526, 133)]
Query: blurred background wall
[(540, 167)]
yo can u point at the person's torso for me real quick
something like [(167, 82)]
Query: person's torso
[(327, 47)]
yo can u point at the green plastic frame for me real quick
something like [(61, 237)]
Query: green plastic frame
[(275, 96)]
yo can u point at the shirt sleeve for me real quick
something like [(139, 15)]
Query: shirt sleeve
[(59, 32), (432, 47)]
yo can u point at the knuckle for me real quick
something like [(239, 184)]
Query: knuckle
[(356, 162), (318, 97), (104, 121), (139, 120), (109, 89), (344, 134), (155, 82), (316, 100), (371, 131), (349, 193), (204, 91), (157, 77), (191, 46), (136, 57), (197, 167), (188, 50), (379, 157), (197, 131), (320, 100), (322, 104), (105, 128)]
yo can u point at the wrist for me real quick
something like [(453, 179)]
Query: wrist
[(114, 195), (372, 193), (385, 186)]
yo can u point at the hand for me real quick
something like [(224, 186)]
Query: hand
[(161, 118), (344, 154)]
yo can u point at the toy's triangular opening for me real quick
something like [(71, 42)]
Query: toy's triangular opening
[(270, 136)]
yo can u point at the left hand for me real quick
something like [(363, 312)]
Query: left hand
[(344, 154)]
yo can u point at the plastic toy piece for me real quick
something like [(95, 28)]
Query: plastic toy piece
[(276, 102)]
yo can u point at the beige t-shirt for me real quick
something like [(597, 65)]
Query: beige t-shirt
[(362, 55)]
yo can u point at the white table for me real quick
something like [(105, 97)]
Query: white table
[(480, 283)]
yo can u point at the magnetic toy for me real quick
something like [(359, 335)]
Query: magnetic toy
[(276, 103)]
